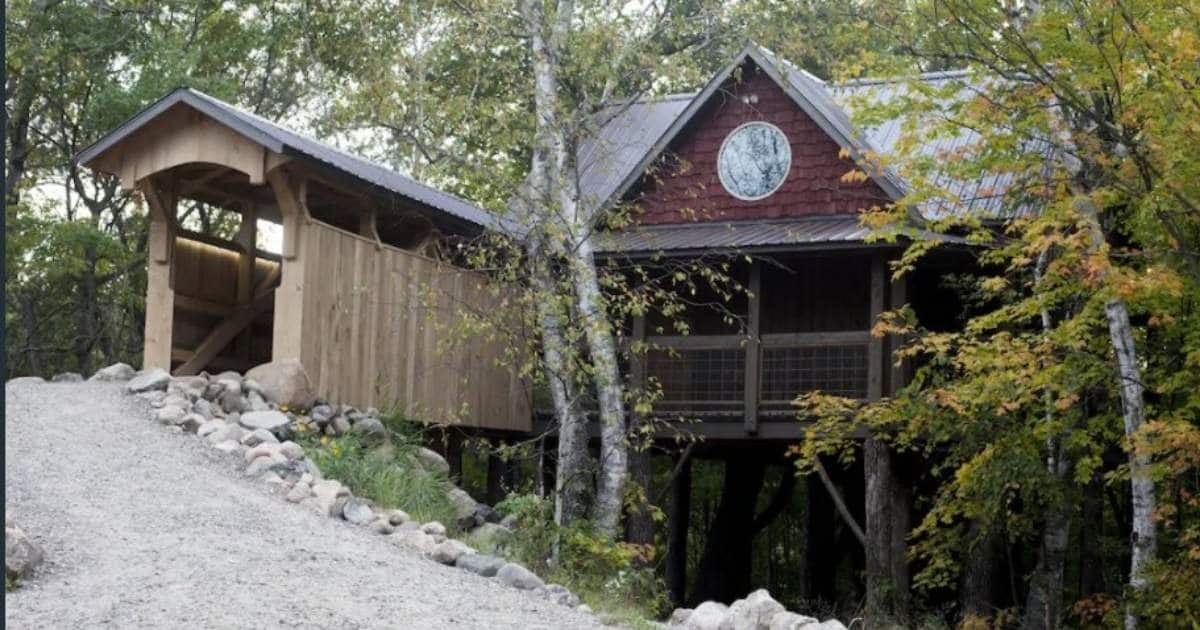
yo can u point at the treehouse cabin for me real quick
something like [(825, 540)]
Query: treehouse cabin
[(358, 284), (762, 169)]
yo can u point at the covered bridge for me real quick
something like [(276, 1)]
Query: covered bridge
[(354, 289)]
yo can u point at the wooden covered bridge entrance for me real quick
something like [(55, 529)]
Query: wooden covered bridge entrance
[(351, 294)]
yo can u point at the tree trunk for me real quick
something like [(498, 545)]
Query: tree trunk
[(724, 571), (639, 527), (886, 566), (1043, 603), (980, 586), (1133, 412), (85, 335), (677, 526)]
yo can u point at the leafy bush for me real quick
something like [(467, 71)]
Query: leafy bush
[(389, 475), (604, 573)]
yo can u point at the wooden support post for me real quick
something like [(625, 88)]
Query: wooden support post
[(454, 454), (897, 372), (875, 361), (677, 532), (753, 349), (495, 477), (287, 336), (639, 524), (245, 279), (160, 292)]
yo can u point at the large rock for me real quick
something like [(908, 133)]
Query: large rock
[(755, 611), (708, 616), (791, 621), (517, 576), (560, 595), (358, 511), (466, 510), (150, 380), (232, 401), (67, 377), (322, 414), (449, 551), (326, 493), (21, 554), (170, 415), (258, 436), (480, 564), (114, 372), (491, 536), (283, 382), (431, 461), (267, 420), (371, 430), (414, 539)]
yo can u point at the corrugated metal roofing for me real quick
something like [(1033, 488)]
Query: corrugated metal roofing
[(282, 140), (736, 235), (636, 131)]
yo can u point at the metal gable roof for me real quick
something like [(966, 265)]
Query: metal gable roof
[(283, 140)]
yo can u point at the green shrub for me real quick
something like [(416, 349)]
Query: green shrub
[(387, 475), (605, 574)]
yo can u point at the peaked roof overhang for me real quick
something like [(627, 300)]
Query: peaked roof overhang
[(807, 93), (282, 141)]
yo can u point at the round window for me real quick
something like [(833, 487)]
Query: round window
[(754, 160)]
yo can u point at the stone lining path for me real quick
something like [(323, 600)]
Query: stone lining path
[(145, 528)]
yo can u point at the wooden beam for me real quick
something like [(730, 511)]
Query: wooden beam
[(898, 371), (291, 198), (181, 355), (753, 350), (224, 333), (875, 346), (204, 307), (246, 236)]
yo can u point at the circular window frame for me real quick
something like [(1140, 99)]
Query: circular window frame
[(786, 172)]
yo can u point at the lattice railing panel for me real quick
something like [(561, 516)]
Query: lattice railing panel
[(839, 370), (700, 375)]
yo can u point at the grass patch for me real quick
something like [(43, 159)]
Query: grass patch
[(609, 576), (10, 583), (390, 475)]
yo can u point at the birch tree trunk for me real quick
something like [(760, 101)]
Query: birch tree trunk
[(571, 485), (1133, 412)]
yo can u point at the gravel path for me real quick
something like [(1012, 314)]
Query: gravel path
[(144, 528)]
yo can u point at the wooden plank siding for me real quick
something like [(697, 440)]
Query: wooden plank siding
[(378, 330)]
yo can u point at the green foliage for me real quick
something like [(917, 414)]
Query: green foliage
[(609, 576), (389, 475)]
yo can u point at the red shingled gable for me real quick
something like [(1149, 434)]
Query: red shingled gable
[(687, 188)]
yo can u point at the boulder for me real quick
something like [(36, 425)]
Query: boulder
[(708, 616), (785, 620), (191, 422), (255, 402), (358, 511), (114, 372), (204, 408), (226, 433), (755, 611), (338, 426), (480, 564), (449, 551), (266, 449), (322, 414), (326, 493), (414, 539), (299, 492), (155, 379), (381, 525), (228, 446), (491, 536), (283, 382), (232, 401), (258, 436), (434, 528), (21, 554), (169, 414), (267, 420), (210, 427), (679, 616), (828, 624), (431, 461), (560, 595), (466, 510), (372, 431), (292, 451), (259, 466), (67, 377), (397, 517), (517, 576)]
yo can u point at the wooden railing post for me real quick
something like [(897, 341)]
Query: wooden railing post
[(898, 374), (753, 350)]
